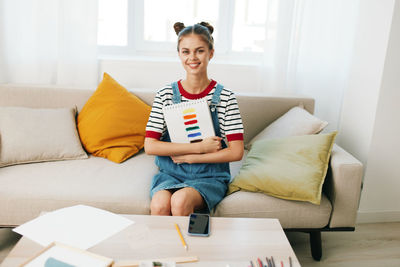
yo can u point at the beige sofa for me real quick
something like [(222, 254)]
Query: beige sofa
[(28, 189)]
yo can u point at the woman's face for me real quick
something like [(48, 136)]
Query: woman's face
[(194, 54)]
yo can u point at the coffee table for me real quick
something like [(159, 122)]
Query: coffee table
[(232, 242)]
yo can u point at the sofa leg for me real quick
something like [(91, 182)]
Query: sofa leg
[(316, 245)]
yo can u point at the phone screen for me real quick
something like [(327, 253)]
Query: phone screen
[(199, 224)]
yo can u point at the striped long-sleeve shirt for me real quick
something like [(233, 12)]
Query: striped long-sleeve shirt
[(230, 121)]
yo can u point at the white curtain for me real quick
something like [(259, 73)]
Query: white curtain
[(312, 53), (49, 42)]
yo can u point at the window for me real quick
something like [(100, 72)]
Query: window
[(158, 24), (249, 28), (112, 23), (135, 27)]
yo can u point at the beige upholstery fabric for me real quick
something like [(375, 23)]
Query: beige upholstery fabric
[(257, 112), (28, 189), (43, 96), (35, 135), (236, 165), (343, 187), (291, 214), (297, 121)]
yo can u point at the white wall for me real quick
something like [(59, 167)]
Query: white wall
[(142, 73), (381, 198), (369, 127)]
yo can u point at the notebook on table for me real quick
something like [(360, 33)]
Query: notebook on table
[(189, 122)]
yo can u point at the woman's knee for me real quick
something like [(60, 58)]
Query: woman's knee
[(184, 202), (161, 204), (180, 205)]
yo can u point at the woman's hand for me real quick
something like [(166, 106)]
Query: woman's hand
[(189, 158), (233, 152), (210, 144), (183, 159), (207, 145)]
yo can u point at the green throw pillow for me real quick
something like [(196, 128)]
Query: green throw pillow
[(291, 168)]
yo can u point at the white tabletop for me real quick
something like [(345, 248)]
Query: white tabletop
[(232, 242)]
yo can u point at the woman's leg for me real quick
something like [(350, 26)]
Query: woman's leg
[(161, 203), (185, 201)]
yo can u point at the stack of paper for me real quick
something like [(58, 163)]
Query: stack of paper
[(78, 226)]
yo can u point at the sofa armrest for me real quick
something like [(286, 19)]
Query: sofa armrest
[(343, 187)]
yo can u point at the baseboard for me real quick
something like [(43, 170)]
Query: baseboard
[(378, 216)]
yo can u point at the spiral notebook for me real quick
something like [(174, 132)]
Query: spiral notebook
[(189, 122)]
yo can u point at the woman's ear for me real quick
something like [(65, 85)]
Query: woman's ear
[(211, 54)]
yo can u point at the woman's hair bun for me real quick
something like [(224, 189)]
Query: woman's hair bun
[(208, 26), (178, 26)]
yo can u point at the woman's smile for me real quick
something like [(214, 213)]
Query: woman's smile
[(194, 65)]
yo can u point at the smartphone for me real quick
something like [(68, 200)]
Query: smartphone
[(199, 224)]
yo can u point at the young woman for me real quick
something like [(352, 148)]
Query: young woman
[(193, 176)]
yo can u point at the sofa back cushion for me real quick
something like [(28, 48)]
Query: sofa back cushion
[(258, 111), (35, 135)]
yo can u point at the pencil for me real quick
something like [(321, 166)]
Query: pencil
[(272, 261), (180, 235), (269, 264)]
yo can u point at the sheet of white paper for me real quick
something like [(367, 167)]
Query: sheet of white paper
[(78, 226)]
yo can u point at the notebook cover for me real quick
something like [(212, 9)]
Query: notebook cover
[(189, 122)]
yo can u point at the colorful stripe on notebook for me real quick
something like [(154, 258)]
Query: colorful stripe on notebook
[(188, 117), (192, 128), (194, 135), (189, 110), (190, 122)]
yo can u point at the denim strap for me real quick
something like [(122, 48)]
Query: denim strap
[(216, 97), (176, 97)]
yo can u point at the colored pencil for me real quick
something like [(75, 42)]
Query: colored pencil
[(268, 262)]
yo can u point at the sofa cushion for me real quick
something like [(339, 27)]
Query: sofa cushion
[(297, 121), (291, 168), (113, 121), (35, 135), (235, 166), (291, 214), (28, 189)]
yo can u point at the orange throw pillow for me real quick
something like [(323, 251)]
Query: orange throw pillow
[(112, 124)]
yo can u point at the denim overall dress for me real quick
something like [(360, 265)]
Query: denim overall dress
[(209, 179)]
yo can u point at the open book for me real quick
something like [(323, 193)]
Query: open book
[(189, 122)]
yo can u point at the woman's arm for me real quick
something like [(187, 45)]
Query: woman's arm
[(233, 152), (159, 148)]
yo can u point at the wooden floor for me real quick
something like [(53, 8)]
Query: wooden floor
[(370, 245)]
